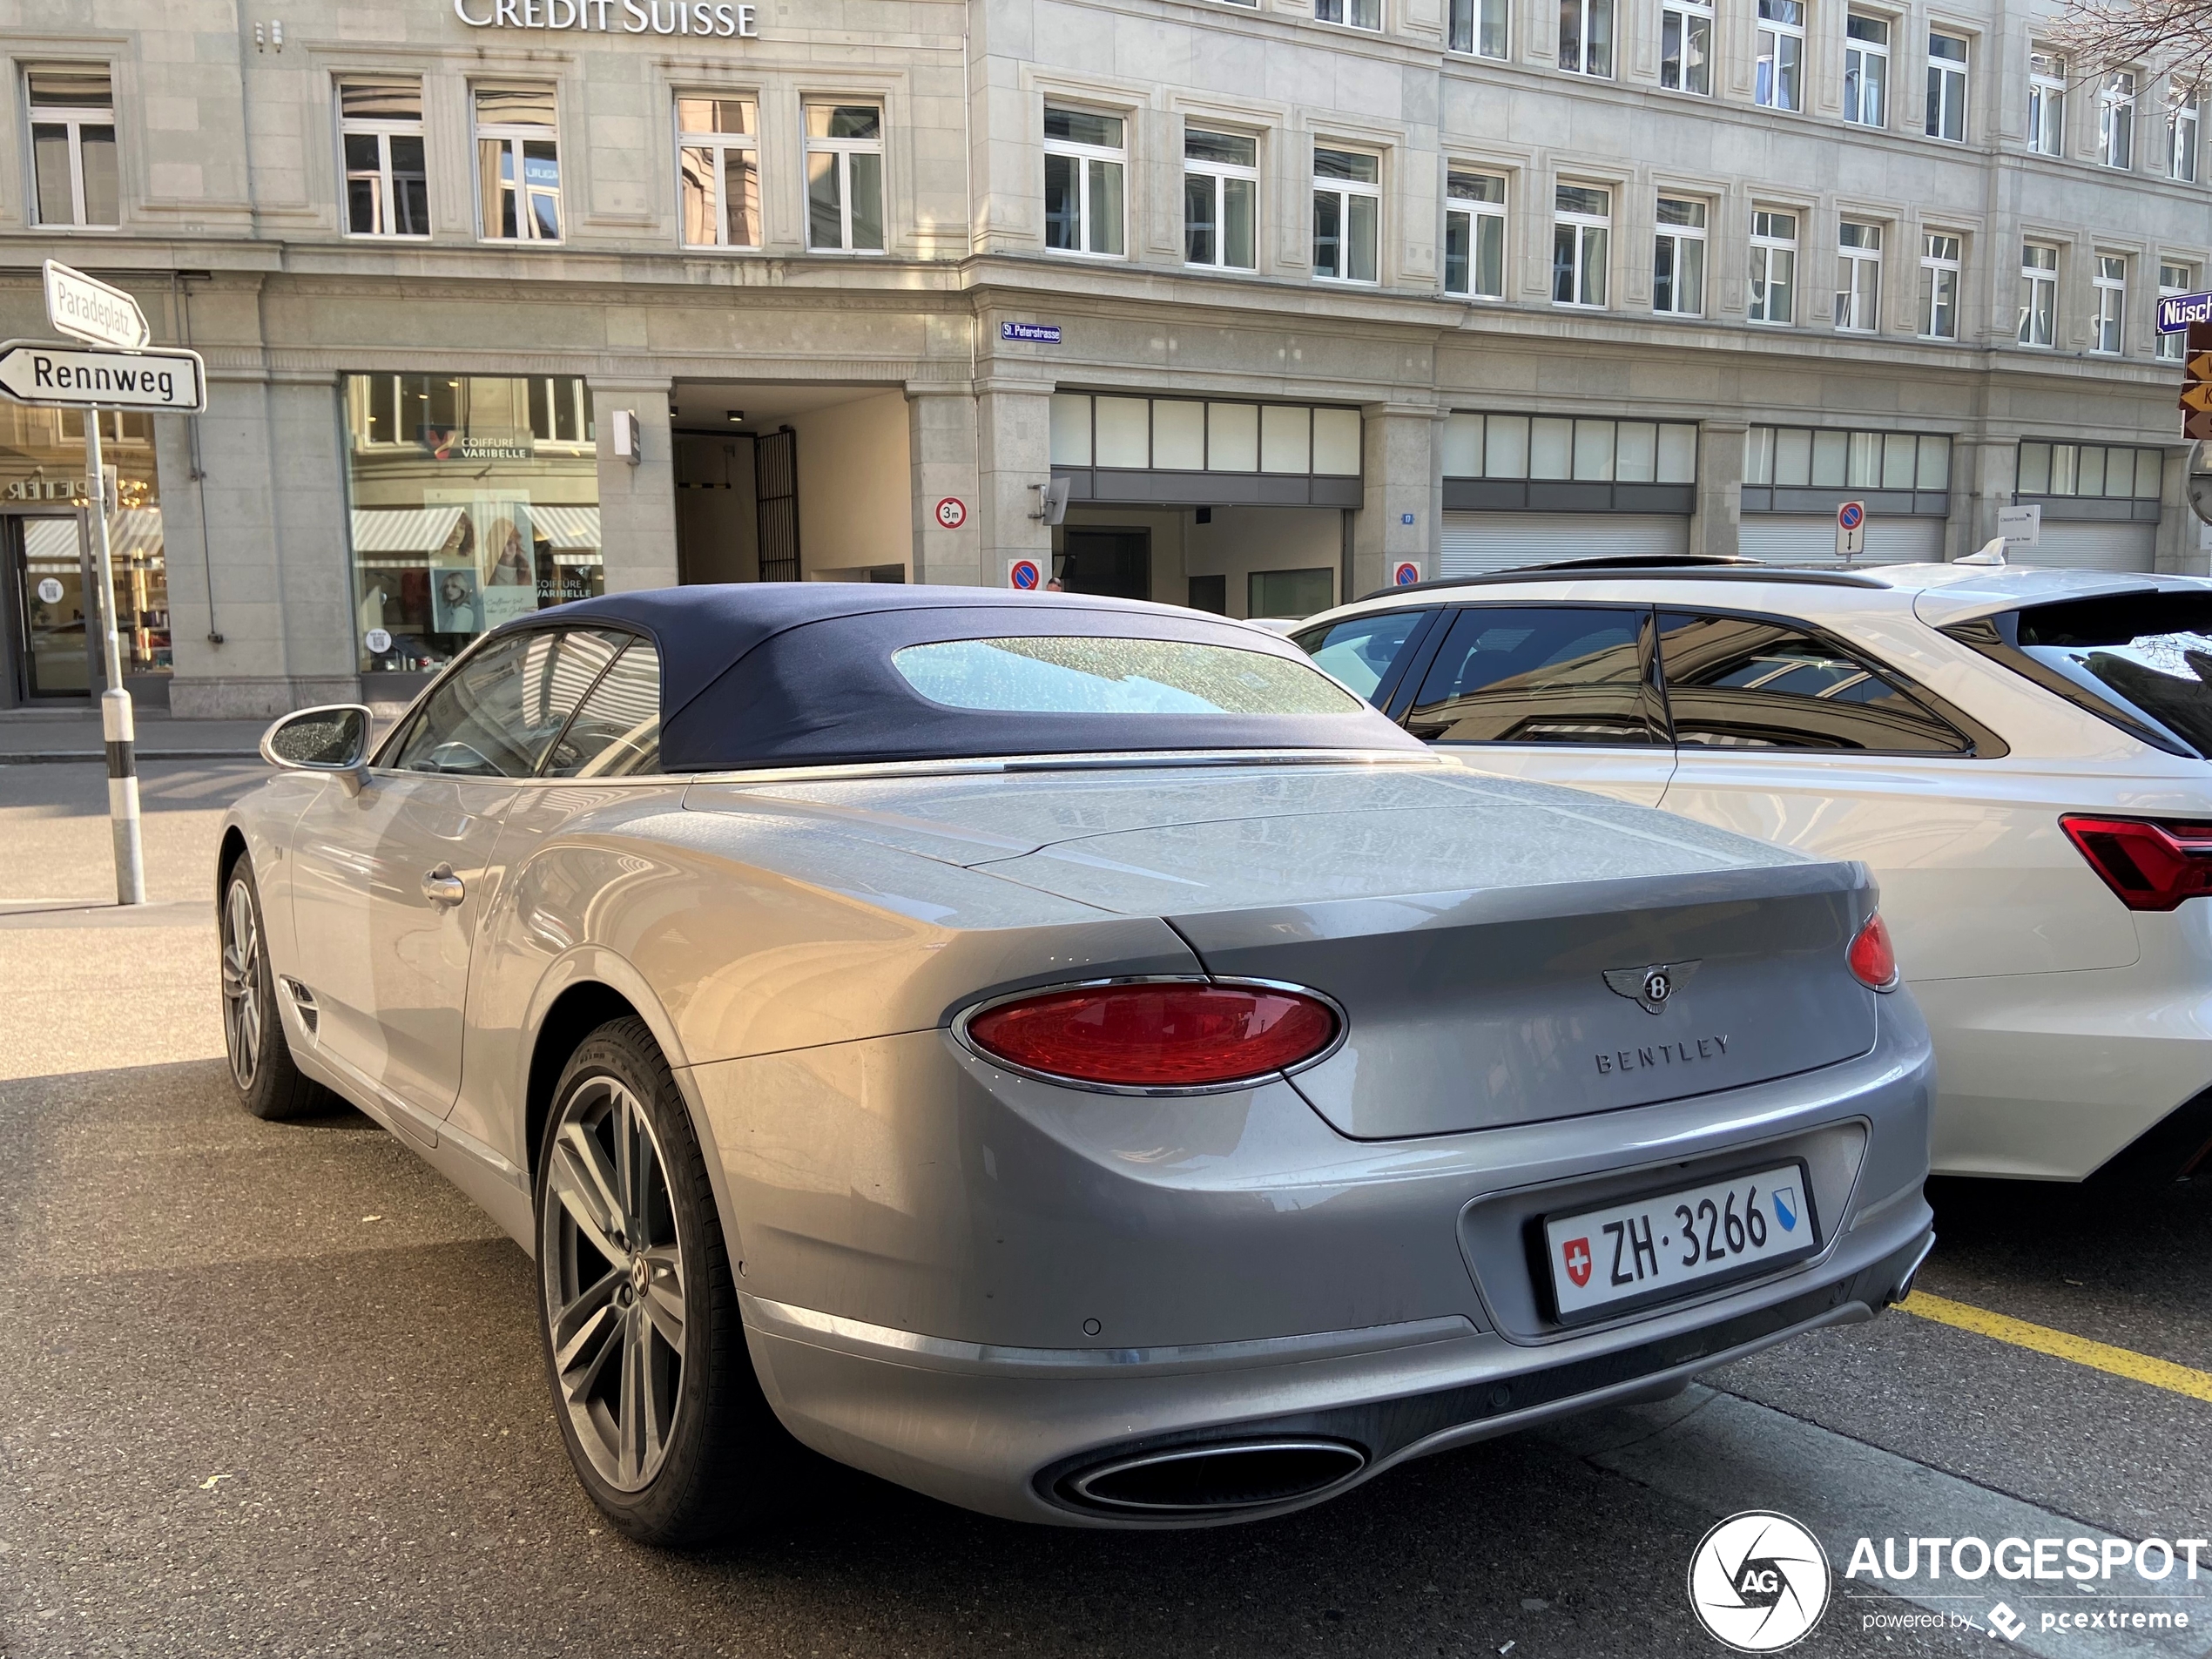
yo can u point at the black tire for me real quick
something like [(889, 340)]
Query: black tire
[(269, 1083), (722, 1457)]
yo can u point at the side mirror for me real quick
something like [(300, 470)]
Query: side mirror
[(333, 738)]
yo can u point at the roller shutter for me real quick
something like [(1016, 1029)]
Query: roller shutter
[(1475, 543), (1795, 538), (2074, 545)]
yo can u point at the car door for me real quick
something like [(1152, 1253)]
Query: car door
[(1789, 735), (1555, 693), (390, 884), (605, 767)]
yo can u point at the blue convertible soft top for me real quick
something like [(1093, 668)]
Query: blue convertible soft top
[(799, 673)]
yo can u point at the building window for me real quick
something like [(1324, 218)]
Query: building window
[(844, 177), (518, 164), (1191, 434), (2174, 279), (1686, 46), (1586, 37), (1777, 80), (1581, 225), (2111, 304), (2111, 471), (1795, 457), (2046, 103), (1084, 166), (474, 501), (1220, 189), (717, 171), (2039, 293), (1940, 269), (1866, 70), (2181, 126), (1774, 268), (72, 145), (1347, 210), (1858, 277), (1478, 27), (1475, 235), (1352, 14), (2116, 120), (42, 466), (1557, 449), (380, 127), (1678, 259), (1946, 86)]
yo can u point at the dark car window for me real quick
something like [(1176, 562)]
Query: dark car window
[(1526, 674), (2140, 661), (494, 713), (617, 731), (1362, 650), (1748, 683)]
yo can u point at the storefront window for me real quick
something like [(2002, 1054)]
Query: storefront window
[(474, 501), (42, 477)]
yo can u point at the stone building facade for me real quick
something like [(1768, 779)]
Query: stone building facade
[(508, 301)]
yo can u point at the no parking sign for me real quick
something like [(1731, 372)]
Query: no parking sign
[(1405, 573), (1851, 528), (1028, 575)]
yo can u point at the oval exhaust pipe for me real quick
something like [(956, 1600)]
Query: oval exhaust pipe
[(1198, 1479)]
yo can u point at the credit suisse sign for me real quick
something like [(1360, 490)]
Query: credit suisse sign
[(722, 18)]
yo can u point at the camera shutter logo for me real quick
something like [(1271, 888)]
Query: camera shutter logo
[(1759, 1581)]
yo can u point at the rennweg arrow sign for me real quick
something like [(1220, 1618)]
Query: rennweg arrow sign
[(167, 381)]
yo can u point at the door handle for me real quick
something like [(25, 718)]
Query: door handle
[(442, 885)]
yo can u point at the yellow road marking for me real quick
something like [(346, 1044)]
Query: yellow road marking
[(2097, 1356)]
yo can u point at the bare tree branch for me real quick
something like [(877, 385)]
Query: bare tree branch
[(2163, 38)]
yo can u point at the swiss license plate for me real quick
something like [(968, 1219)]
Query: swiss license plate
[(1667, 1244)]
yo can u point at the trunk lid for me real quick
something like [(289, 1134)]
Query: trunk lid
[(1489, 941)]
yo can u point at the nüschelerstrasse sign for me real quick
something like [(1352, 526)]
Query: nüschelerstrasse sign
[(714, 18)]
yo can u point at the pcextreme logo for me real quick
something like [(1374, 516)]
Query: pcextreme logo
[(1759, 1581)]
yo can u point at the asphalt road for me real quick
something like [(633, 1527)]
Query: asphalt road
[(274, 1388)]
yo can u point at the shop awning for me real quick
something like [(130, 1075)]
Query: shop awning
[(566, 527), (402, 529)]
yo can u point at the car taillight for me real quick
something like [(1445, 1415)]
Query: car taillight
[(1173, 1035), (2147, 866), (1873, 963)]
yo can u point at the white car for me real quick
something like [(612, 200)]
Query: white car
[(2019, 755)]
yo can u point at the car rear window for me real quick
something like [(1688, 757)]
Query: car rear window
[(1078, 674), (2140, 661)]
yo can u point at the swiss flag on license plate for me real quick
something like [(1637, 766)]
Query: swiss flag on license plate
[(1577, 1252)]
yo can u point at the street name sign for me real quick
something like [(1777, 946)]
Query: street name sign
[(2177, 311), (164, 381), (1041, 333), (87, 309)]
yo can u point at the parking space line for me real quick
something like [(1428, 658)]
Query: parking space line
[(2097, 1356)]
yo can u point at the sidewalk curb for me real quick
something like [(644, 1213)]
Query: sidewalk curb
[(42, 757)]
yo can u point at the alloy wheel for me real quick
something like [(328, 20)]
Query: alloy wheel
[(242, 1008), (613, 1261)]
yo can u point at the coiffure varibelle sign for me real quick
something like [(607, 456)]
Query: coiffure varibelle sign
[(711, 18)]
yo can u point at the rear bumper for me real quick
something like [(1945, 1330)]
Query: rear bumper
[(2056, 1076), (1007, 1430)]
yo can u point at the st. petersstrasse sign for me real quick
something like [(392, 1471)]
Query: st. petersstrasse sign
[(723, 19), (163, 381)]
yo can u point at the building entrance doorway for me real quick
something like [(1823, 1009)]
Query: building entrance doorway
[(48, 636), (1114, 562)]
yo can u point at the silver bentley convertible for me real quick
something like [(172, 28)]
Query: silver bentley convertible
[(1072, 1057)]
